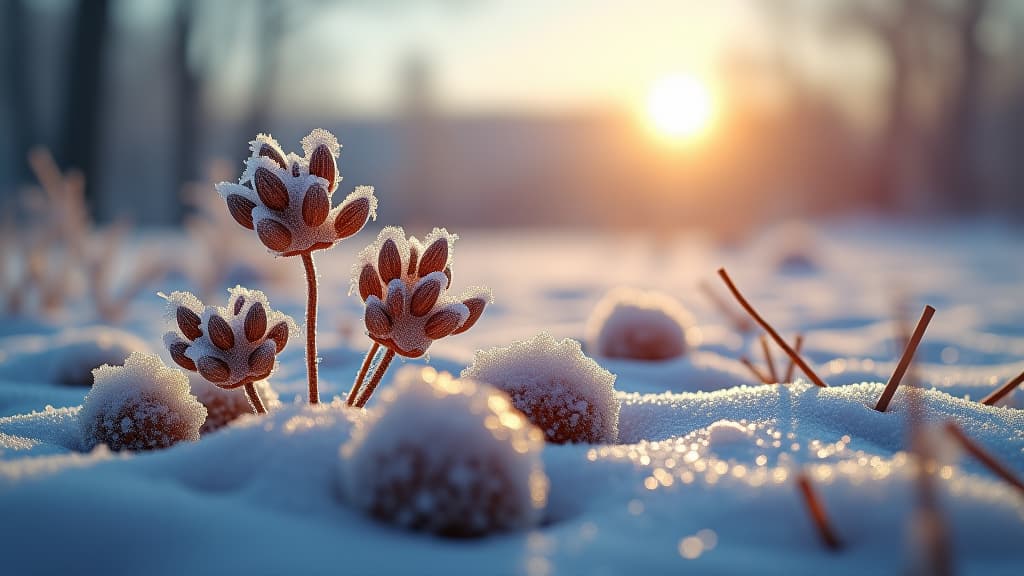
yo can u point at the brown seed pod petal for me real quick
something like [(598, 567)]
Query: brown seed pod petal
[(315, 205), (177, 351), (369, 283), (271, 189), (279, 334), (274, 154), (188, 321), (240, 208), (213, 369), (220, 333), (255, 322), (274, 235), (424, 297), (414, 257), (441, 324), (435, 257), (448, 274), (261, 361), (389, 262), (395, 303), (376, 318), (352, 218), (476, 308), (321, 163), (239, 302)]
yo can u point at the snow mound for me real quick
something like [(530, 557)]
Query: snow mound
[(225, 406), (558, 387), (446, 456), (140, 406), (629, 323), (67, 357)]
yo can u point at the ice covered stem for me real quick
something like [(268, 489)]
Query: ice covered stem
[(311, 295), (362, 374), (254, 398), (378, 373), (793, 355), (817, 511), (904, 363)]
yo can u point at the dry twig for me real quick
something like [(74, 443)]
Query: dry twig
[(904, 363)]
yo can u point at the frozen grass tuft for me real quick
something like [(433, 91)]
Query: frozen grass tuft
[(630, 323)]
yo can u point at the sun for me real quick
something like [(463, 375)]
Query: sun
[(680, 107)]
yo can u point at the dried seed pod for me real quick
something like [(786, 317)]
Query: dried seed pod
[(395, 302), (476, 308), (271, 189), (213, 369), (352, 218), (369, 283), (322, 164), (255, 322), (261, 361), (424, 297), (274, 235), (434, 257), (268, 151), (389, 262), (240, 208), (177, 350), (414, 256), (239, 302), (315, 205), (279, 334), (376, 318), (220, 333), (188, 321), (441, 324)]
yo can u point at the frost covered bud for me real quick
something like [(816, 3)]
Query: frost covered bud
[(286, 199), (404, 283), (142, 405), (447, 456), (229, 346), (639, 325), (561, 390)]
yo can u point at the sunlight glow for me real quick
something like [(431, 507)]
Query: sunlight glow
[(680, 107)]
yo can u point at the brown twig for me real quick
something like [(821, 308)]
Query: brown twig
[(798, 345), (1003, 390), (794, 356), (904, 363), (353, 394), (817, 511), (769, 360), (378, 373), (983, 456), (761, 376), (254, 398), (311, 297)]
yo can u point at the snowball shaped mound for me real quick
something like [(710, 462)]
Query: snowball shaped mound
[(142, 405), (225, 406), (446, 456), (76, 353), (560, 389), (639, 325)]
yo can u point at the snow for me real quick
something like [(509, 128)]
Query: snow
[(642, 325), (559, 388)]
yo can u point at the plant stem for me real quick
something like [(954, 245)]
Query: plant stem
[(1003, 390), (311, 360), (797, 346), (362, 373), (817, 511), (378, 373), (254, 398), (769, 360), (904, 363)]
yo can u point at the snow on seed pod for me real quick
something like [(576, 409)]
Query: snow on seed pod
[(446, 456), (629, 323)]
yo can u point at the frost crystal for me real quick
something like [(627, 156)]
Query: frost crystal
[(446, 456), (630, 323), (559, 388), (142, 405)]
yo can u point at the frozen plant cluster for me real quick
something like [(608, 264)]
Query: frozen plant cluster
[(639, 325), (142, 405), (559, 388), (447, 456)]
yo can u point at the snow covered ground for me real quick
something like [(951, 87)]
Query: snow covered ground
[(702, 478)]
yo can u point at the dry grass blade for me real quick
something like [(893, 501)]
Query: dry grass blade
[(817, 511), (1002, 391), (761, 376), (983, 456), (793, 355), (798, 345), (769, 360), (908, 356)]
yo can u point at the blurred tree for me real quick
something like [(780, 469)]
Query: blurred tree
[(188, 100), (18, 84)]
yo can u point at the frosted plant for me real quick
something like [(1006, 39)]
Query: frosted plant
[(232, 346), (286, 199), (447, 456), (225, 406), (142, 405), (404, 283), (629, 323), (560, 389)]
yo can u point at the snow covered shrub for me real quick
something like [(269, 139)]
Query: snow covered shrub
[(230, 346), (640, 325), (76, 353), (142, 405), (560, 389), (446, 456), (224, 406), (404, 283), (286, 199)]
